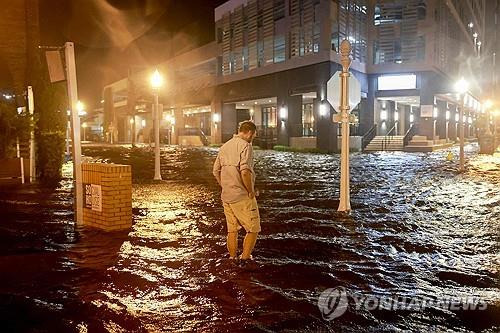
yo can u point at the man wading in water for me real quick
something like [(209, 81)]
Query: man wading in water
[(234, 172)]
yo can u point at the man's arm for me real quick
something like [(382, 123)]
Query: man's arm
[(246, 164), (246, 176), (216, 170)]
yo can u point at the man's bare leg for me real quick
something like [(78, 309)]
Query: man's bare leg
[(232, 244), (248, 244)]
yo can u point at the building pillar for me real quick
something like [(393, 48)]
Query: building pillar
[(228, 121), (441, 119), (452, 123), (326, 131), (426, 124), (178, 126), (367, 116), (401, 109), (215, 122)]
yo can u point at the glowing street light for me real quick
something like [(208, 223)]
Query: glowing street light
[(156, 83), (462, 87), (156, 80), (488, 104), (80, 107)]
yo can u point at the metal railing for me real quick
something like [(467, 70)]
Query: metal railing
[(388, 137), (368, 136), (266, 136), (409, 134)]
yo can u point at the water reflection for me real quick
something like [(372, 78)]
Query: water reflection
[(417, 228)]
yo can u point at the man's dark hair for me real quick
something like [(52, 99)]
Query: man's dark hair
[(246, 126)]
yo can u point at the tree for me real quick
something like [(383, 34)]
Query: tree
[(50, 123), (13, 126)]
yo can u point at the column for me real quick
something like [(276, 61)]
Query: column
[(215, 121), (228, 125)]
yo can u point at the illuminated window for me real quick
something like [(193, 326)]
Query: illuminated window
[(269, 116), (308, 123), (397, 82)]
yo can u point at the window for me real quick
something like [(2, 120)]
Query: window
[(279, 49), (308, 123), (422, 10), (269, 117), (245, 58), (260, 53), (219, 35), (278, 9)]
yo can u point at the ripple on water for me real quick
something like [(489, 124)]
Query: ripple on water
[(417, 229)]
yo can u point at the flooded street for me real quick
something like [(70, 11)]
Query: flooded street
[(417, 229)]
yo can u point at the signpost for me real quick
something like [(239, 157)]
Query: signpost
[(69, 53), (344, 94), (56, 73)]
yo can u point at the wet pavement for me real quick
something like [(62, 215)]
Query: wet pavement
[(417, 229)]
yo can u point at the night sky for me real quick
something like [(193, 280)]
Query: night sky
[(111, 35)]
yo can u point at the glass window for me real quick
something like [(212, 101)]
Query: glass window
[(279, 49), (260, 53), (278, 9), (269, 116), (245, 58), (219, 35), (308, 123)]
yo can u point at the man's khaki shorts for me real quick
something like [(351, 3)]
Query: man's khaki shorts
[(244, 213)]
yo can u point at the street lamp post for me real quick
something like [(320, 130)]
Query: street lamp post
[(495, 114), (84, 126), (156, 83), (461, 87)]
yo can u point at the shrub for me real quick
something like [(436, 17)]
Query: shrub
[(12, 127), (50, 159)]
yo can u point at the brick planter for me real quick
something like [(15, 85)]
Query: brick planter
[(107, 190)]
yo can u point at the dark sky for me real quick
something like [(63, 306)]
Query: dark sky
[(112, 35)]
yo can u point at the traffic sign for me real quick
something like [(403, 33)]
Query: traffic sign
[(333, 91)]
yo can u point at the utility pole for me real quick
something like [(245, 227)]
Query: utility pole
[(156, 122), (31, 109), (345, 200), (131, 100), (69, 53), (461, 123)]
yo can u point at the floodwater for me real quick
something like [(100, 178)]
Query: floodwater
[(418, 229)]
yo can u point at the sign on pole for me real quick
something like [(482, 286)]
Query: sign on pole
[(343, 94), (69, 52), (55, 66), (333, 91), (31, 109)]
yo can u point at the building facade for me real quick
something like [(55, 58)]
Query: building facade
[(271, 60), (19, 39)]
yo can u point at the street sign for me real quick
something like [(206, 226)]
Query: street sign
[(333, 91)]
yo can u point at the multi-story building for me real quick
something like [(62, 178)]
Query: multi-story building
[(271, 60), (19, 38)]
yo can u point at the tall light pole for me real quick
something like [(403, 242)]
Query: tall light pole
[(84, 125), (156, 83), (345, 199), (461, 87), (496, 115)]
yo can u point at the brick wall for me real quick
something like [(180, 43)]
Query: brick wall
[(116, 194)]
